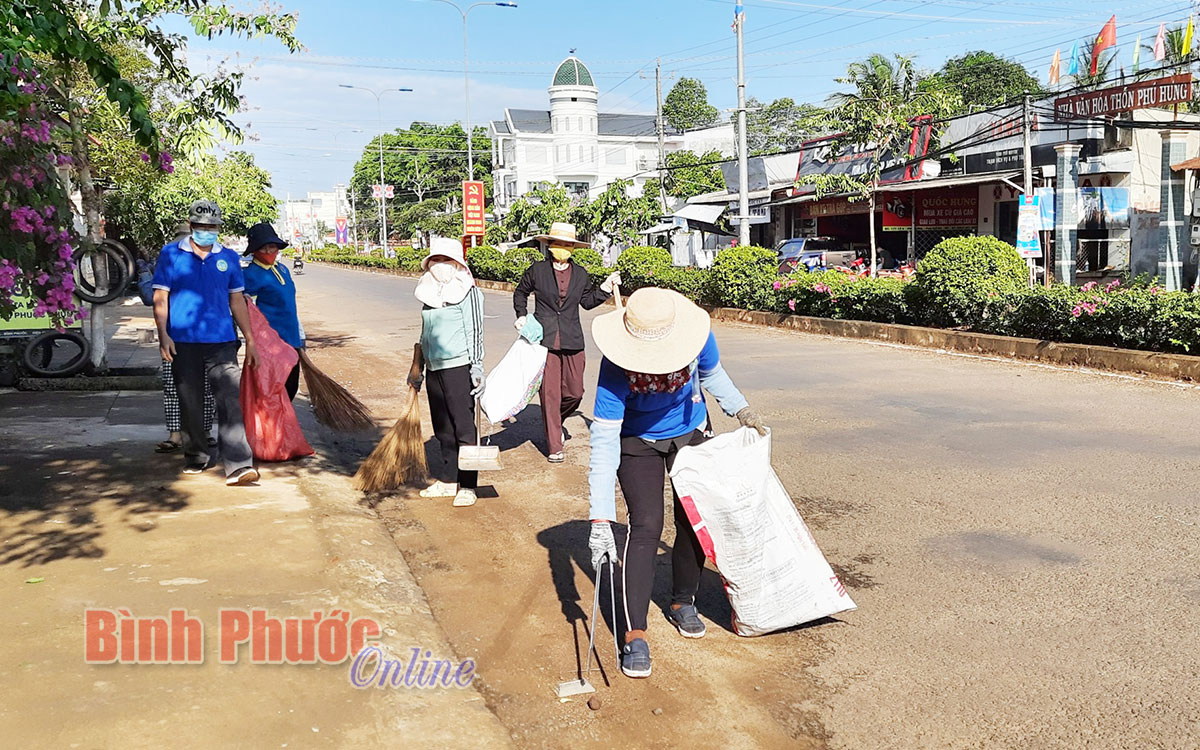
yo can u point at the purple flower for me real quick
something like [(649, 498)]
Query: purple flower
[(145, 157)]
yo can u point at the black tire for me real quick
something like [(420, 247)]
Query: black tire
[(38, 357), (118, 270)]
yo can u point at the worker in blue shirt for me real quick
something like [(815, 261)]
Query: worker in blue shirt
[(197, 299), (271, 286)]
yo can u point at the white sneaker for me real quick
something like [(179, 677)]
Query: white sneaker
[(464, 498), (242, 477), (440, 489)]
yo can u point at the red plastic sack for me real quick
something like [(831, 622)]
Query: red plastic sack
[(271, 426)]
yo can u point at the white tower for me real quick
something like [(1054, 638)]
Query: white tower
[(574, 123)]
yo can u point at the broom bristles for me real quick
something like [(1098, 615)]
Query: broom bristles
[(400, 456), (334, 406)]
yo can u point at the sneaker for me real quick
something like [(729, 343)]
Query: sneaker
[(556, 458), (635, 659), (687, 619), (242, 477), (194, 468), (465, 498), (440, 489)]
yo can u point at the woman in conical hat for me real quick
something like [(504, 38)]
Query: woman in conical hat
[(659, 351)]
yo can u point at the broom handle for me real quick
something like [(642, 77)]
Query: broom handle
[(617, 295)]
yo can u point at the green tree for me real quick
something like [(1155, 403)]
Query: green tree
[(616, 214), (783, 124), (689, 174), (686, 106), (877, 112), (538, 209), (985, 79)]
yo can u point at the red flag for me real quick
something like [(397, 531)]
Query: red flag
[(1107, 38)]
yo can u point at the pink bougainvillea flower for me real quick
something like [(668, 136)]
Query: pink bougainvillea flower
[(777, 285), (792, 305)]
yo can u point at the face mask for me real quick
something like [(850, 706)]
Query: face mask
[(561, 254), (443, 271), (204, 238), (267, 258)]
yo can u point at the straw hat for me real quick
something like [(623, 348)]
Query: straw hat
[(447, 247), (561, 233), (656, 332)]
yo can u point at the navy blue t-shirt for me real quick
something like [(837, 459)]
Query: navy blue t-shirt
[(199, 289)]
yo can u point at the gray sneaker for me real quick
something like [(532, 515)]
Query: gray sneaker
[(687, 619), (635, 660)]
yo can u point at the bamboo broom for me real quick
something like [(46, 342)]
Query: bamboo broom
[(400, 456), (334, 406)]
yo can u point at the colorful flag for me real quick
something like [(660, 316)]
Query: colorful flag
[(1107, 38), (1074, 69), (739, 14), (1187, 39), (1137, 53), (1055, 67), (1160, 43)]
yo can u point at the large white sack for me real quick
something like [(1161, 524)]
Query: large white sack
[(511, 385), (774, 573)]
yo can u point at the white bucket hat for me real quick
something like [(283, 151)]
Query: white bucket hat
[(447, 247), (656, 332), (562, 233)]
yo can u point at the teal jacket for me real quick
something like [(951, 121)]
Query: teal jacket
[(452, 336)]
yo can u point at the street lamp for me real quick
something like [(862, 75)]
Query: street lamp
[(382, 194), (466, 74)]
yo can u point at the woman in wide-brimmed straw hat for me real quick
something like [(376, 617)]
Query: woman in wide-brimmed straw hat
[(659, 351), (560, 287), (452, 355)]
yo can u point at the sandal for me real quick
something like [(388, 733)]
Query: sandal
[(167, 446)]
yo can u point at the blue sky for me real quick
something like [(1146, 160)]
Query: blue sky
[(309, 132)]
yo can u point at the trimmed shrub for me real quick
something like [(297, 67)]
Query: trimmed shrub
[(743, 277), (690, 282), (409, 258), (517, 260), (958, 277), (592, 261), (643, 265), (486, 262)]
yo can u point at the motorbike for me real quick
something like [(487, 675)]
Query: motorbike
[(298, 265)]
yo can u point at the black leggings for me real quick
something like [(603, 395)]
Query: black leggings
[(452, 411), (642, 472), (293, 382)]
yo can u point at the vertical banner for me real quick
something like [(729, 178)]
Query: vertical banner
[(897, 212), (473, 210), (341, 231), (1029, 242)]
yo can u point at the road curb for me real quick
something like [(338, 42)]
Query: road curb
[(1157, 364)]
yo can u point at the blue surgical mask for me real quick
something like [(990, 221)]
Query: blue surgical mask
[(204, 238)]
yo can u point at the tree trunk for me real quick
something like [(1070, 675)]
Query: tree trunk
[(871, 228), (90, 200)]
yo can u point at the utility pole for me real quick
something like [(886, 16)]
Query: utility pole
[(354, 218), (662, 153), (1027, 159), (743, 192)]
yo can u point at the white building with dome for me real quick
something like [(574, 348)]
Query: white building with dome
[(576, 144)]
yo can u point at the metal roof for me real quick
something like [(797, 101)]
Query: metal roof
[(500, 126), (530, 120), (571, 72), (608, 123)]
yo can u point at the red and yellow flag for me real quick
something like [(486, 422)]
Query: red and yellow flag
[(1106, 39), (1055, 68)]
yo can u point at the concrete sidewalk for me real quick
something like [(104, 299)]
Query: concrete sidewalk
[(91, 517)]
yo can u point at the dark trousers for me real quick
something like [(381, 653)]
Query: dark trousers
[(562, 392), (642, 472), (217, 364), (293, 382), (452, 411)]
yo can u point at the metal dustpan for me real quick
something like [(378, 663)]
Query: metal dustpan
[(479, 457), (582, 686)]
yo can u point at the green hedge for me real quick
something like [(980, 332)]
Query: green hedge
[(958, 277), (643, 265)]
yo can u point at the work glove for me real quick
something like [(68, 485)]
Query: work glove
[(601, 543), (748, 418), (477, 380), (531, 330), (614, 279)]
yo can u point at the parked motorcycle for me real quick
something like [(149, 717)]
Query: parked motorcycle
[(298, 265)]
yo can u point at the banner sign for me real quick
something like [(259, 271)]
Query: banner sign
[(1161, 92), (474, 221), (24, 323), (948, 208), (897, 212), (341, 231), (836, 206), (1029, 242), (383, 191), (1099, 208), (818, 157)]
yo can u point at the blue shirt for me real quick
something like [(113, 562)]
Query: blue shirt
[(199, 292), (654, 416), (276, 300)]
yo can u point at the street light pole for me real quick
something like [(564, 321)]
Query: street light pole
[(382, 193), (743, 176)]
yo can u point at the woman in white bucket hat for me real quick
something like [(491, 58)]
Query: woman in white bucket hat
[(659, 351), (452, 354)]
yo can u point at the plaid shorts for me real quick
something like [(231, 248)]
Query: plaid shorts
[(171, 401)]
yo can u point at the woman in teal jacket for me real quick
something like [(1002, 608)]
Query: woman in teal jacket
[(452, 350)]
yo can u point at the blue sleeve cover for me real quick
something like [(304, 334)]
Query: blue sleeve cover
[(715, 380)]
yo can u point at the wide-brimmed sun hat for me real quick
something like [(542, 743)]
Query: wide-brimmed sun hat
[(658, 331), (444, 246), (262, 234), (562, 233)]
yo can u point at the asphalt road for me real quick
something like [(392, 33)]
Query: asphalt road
[(1021, 541)]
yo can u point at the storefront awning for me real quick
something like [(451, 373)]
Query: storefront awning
[(729, 198), (1189, 164), (941, 182), (659, 229), (706, 213)]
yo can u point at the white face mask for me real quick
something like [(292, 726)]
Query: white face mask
[(443, 271)]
